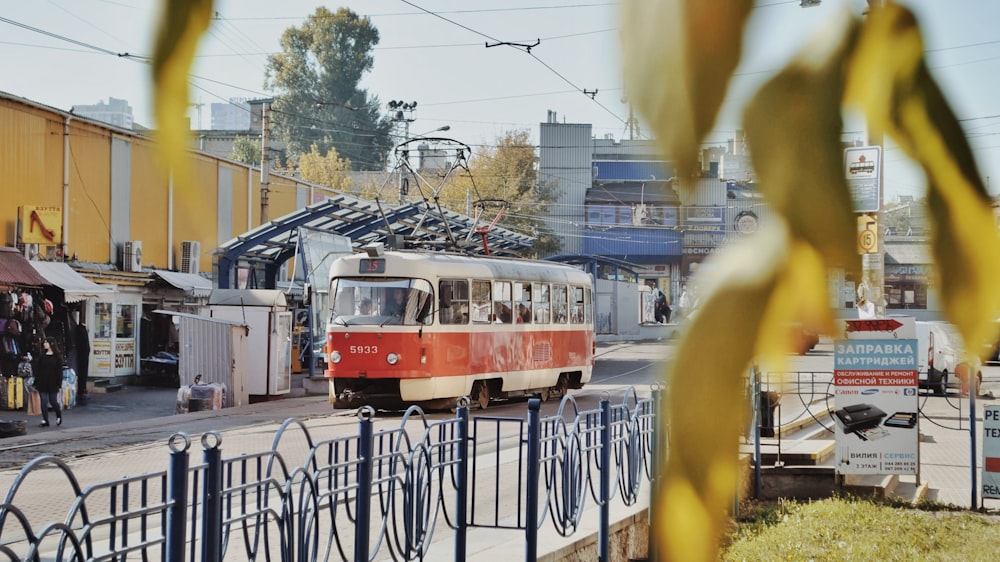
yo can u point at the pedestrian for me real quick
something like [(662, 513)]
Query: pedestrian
[(48, 373), (684, 303), (662, 308), (81, 348)]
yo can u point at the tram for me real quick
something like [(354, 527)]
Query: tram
[(411, 327)]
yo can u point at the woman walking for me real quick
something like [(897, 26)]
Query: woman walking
[(48, 380)]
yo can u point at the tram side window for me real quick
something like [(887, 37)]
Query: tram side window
[(540, 296), (502, 302), (559, 309), (453, 307), (522, 295), (577, 308), (588, 312), (482, 302)]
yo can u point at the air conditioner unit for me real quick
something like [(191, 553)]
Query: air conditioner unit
[(132, 255), (190, 256)]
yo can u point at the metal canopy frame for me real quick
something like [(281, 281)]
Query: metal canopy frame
[(364, 221)]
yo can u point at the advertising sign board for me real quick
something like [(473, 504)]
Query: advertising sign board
[(991, 452), (875, 398)]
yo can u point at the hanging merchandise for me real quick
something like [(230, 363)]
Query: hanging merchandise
[(6, 304), (68, 388), (15, 393)]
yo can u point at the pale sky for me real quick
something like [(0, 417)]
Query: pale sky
[(434, 52)]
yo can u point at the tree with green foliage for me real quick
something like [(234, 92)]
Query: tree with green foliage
[(506, 175), (319, 101), (329, 170), (246, 150)]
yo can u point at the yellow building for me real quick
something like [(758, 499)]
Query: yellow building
[(99, 198)]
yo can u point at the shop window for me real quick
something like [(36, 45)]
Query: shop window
[(102, 320), (125, 323)]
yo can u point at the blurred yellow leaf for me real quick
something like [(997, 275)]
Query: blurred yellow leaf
[(707, 368), (678, 57), (890, 80), (793, 127), (181, 26), (799, 302)]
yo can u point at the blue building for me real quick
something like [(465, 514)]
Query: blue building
[(620, 200)]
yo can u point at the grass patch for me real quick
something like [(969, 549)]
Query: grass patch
[(860, 529)]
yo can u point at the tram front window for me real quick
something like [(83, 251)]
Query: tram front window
[(359, 301)]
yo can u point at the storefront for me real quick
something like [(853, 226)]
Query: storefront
[(114, 334), (20, 286), (69, 294), (173, 291), (907, 277), (113, 319)]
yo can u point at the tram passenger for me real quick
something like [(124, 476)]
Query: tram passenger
[(396, 304), (365, 308), (523, 314), (503, 315)]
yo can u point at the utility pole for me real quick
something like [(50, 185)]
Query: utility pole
[(402, 112), (265, 159), (874, 269)]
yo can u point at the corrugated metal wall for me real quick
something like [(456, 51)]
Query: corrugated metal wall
[(564, 163), (121, 195), (119, 190), (214, 350)]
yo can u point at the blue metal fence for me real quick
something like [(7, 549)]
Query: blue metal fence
[(411, 492)]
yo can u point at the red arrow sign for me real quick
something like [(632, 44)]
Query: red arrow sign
[(877, 325)]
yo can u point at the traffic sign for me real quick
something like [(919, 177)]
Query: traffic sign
[(863, 170), (867, 233)]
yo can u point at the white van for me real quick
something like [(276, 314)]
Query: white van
[(940, 357)]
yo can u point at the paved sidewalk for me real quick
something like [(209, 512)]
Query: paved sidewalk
[(946, 450)]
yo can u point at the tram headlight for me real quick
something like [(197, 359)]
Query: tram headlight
[(392, 358), (335, 357)]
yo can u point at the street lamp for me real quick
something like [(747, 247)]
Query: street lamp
[(439, 129)]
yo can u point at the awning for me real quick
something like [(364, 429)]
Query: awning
[(200, 318), (16, 270), (908, 254), (191, 283), (75, 287)]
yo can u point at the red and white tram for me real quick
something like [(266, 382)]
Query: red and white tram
[(428, 327)]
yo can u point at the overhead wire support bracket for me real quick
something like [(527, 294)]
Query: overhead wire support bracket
[(589, 93), (524, 46)]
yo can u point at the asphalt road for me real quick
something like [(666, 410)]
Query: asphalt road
[(138, 416)]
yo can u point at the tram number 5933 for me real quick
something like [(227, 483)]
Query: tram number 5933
[(364, 349)]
